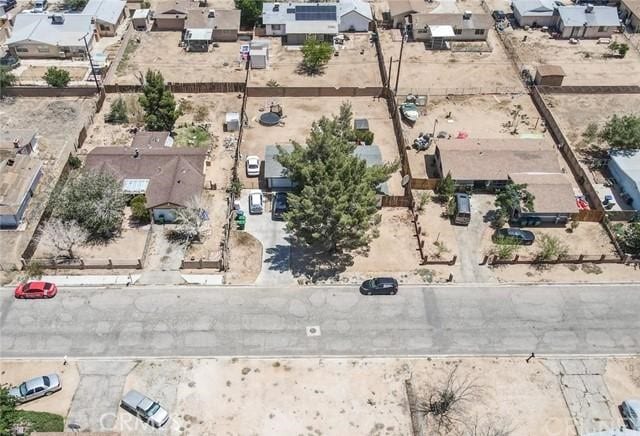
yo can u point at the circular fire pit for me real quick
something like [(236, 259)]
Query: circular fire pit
[(269, 119)]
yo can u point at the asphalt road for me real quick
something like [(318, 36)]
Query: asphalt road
[(231, 321)]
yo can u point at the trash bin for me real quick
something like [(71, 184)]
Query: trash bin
[(241, 220)]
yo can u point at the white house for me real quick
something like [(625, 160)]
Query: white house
[(50, 36), (587, 21), (534, 13), (297, 21)]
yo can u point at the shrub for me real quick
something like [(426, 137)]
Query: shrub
[(551, 248), (57, 77), (74, 162), (201, 114), (139, 209), (118, 112)]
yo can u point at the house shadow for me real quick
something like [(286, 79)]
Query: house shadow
[(431, 166), (315, 264)]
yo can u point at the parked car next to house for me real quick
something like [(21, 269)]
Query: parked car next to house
[(631, 413), (253, 166), (7, 5), (256, 202), (8, 61), (148, 410), (462, 214), (36, 387), (515, 235), (280, 205), (36, 290), (379, 286)]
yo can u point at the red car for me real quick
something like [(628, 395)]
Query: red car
[(36, 290)]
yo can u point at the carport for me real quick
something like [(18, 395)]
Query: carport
[(274, 173)]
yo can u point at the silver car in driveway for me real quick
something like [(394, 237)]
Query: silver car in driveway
[(36, 388), (144, 407), (631, 413)]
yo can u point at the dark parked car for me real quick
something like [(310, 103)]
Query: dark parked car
[(519, 236), (9, 62), (280, 205), (499, 15), (8, 4), (379, 286)]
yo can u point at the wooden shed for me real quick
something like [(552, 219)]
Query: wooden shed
[(549, 75)]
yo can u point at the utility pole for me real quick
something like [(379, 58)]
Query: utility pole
[(390, 66), (404, 36), (93, 70)]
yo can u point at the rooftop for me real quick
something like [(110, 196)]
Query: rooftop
[(405, 7), (173, 7), (16, 177), (572, 16), (633, 6), (13, 140), (495, 159), (553, 192), (550, 70), (175, 174), (199, 18), (105, 10), (151, 139), (534, 7), (475, 21), (280, 13), (40, 28)]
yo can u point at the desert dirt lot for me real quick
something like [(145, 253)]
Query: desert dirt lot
[(35, 73), (488, 116), (356, 65), (216, 207), (585, 63), (356, 396), (58, 122), (439, 72), (300, 113), (160, 51)]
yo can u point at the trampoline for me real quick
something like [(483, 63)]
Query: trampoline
[(269, 119)]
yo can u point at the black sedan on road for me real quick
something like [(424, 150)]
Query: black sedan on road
[(379, 286), (513, 235)]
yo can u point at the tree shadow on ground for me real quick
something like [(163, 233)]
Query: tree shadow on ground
[(305, 70), (278, 257), (315, 264)]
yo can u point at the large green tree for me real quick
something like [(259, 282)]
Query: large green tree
[(158, 103), (334, 203), (630, 238), (95, 201), (513, 197), (8, 416), (250, 11), (622, 132), (315, 54)]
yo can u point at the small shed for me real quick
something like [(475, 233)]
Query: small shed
[(141, 19), (198, 40), (549, 75), (232, 121)]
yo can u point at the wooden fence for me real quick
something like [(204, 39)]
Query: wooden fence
[(396, 201), (45, 91), (314, 91), (81, 263), (589, 89), (178, 88), (421, 184), (202, 264), (568, 259)]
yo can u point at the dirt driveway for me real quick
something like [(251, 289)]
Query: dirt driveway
[(470, 238)]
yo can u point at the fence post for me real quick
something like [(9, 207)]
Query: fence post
[(24, 262), (516, 258), (81, 263), (110, 263), (139, 264), (580, 258), (425, 259), (200, 263), (484, 260), (453, 261), (602, 258)]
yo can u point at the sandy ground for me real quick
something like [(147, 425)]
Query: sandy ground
[(338, 396), (160, 51), (436, 228), (439, 72), (355, 65), (478, 116), (586, 63), (216, 207), (58, 122), (246, 258), (589, 239), (33, 73), (14, 373), (301, 113)]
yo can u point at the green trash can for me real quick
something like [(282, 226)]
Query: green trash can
[(241, 220)]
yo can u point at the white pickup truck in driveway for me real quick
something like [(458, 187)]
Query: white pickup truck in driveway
[(147, 409)]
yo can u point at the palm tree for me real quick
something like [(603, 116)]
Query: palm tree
[(6, 79)]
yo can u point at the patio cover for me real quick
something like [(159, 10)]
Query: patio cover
[(441, 31)]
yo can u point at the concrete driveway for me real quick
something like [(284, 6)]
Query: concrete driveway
[(469, 240), (276, 249)]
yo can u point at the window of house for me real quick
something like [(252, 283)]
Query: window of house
[(276, 27), (479, 31), (601, 29), (22, 50), (43, 49), (103, 27), (457, 31)]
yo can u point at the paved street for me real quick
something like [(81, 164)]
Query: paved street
[(231, 321)]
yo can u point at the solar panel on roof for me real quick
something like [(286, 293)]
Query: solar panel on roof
[(316, 13)]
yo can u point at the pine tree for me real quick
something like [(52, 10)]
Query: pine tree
[(158, 103), (334, 204)]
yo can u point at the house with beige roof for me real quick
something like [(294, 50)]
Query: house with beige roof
[(435, 30), (167, 177), (488, 164)]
